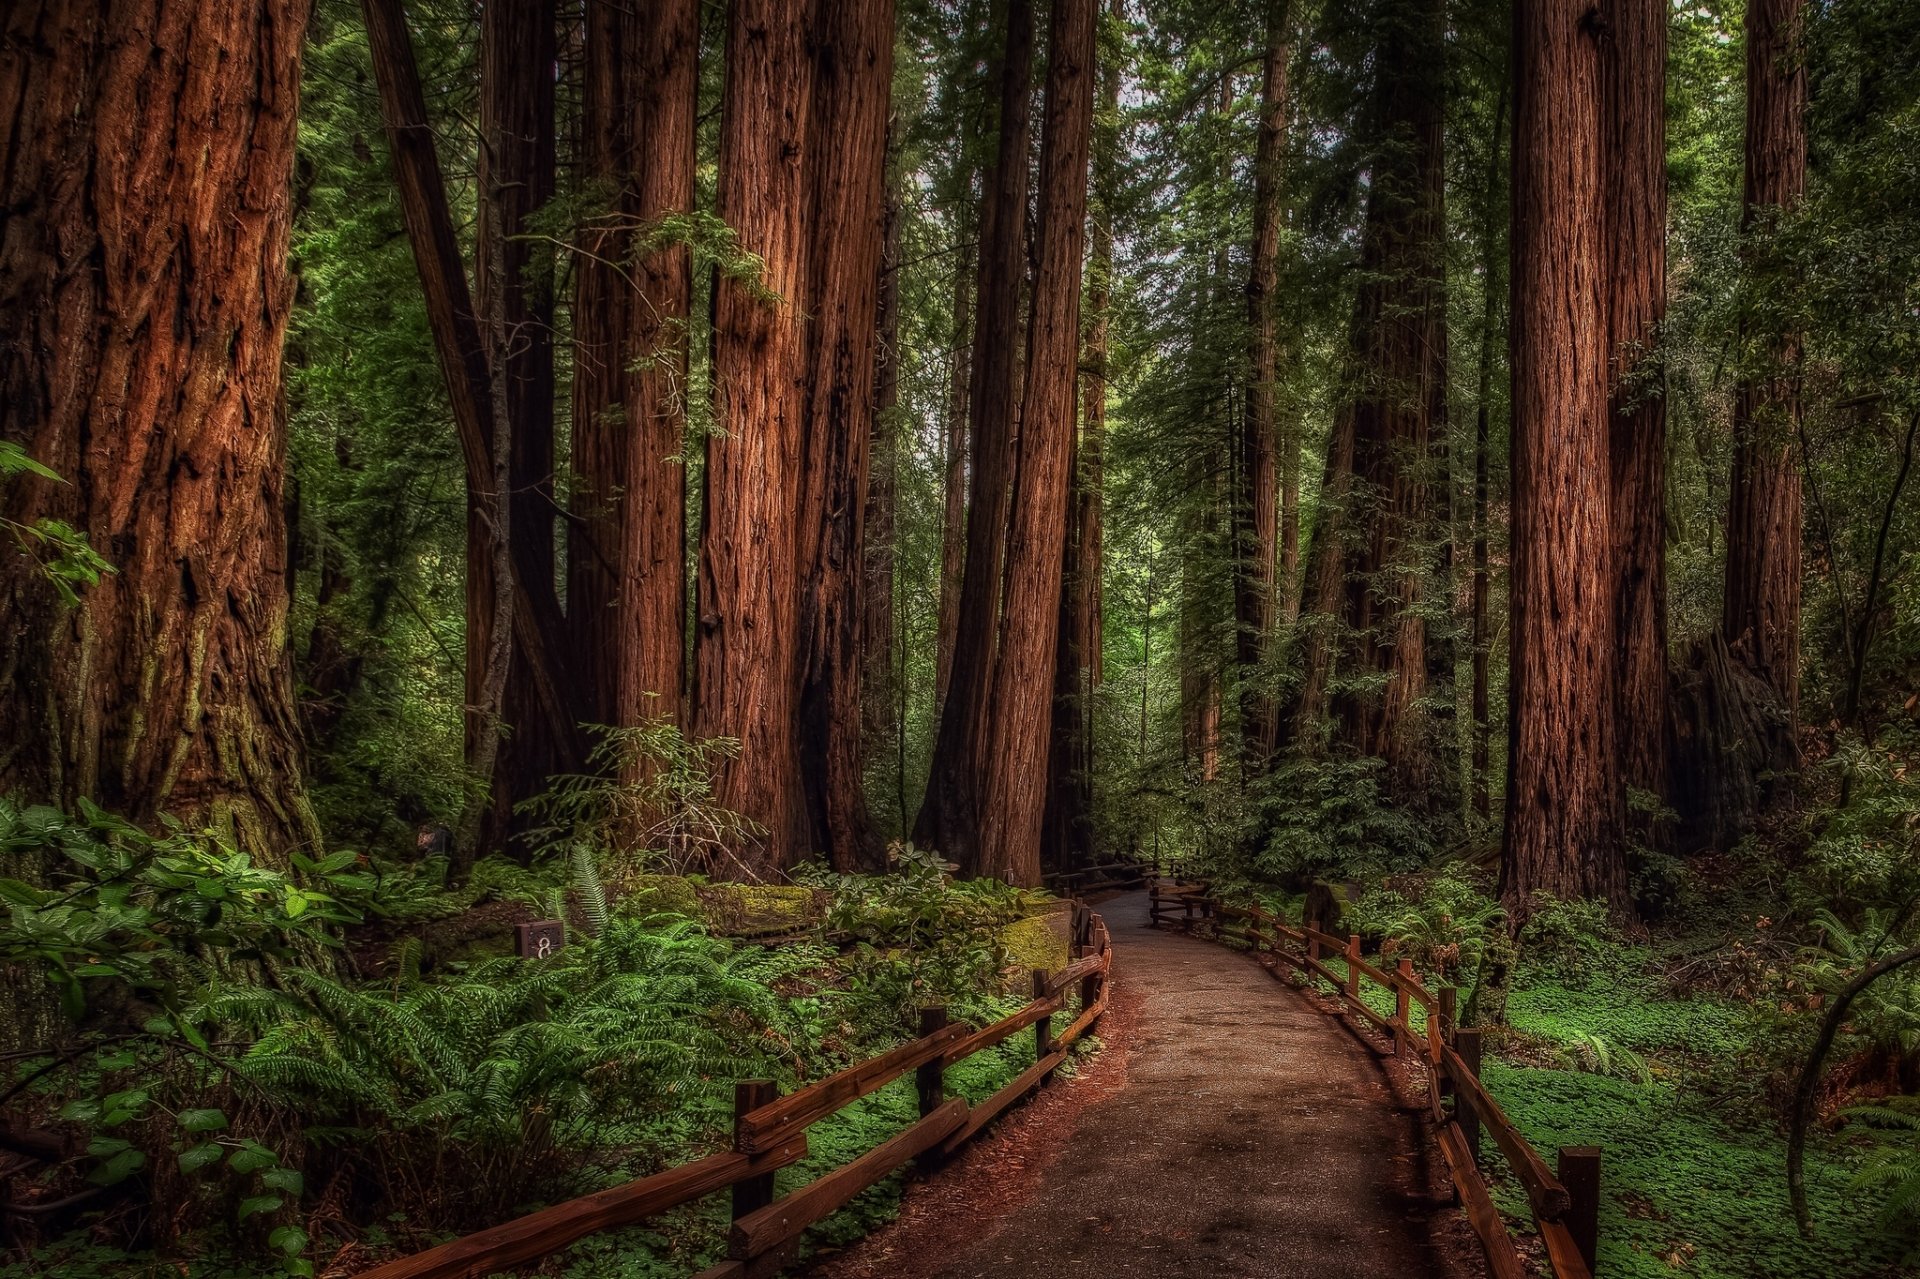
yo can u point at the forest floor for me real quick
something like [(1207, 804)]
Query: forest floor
[(1227, 1128)]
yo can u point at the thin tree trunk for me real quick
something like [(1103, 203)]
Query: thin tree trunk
[(462, 354), (853, 70), (632, 308), (1493, 298), (877, 698), (1565, 801), (1368, 580), (514, 292), (950, 814), (1760, 619), (144, 296), (1254, 509), (1633, 102), (1022, 688), (748, 640), (953, 519)]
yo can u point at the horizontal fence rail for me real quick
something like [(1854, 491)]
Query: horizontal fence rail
[(770, 1133), (1565, 1202)]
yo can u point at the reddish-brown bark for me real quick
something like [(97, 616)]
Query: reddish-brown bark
[(852, 59), (1376, 531), (1068, 826), (1255, 507), (1633, 100), (877, 696), (950, 812), (461, 350), (953, 518), (144, 295), (515, 178), (626, 589), (746, 684), (1760, 619), (1565, 802), (1022, 698)]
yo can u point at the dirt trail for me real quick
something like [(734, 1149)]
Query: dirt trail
[(1229, 1129)]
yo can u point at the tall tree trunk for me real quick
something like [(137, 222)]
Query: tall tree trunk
[(144, 295), (1760, 619), (953, 517), (852, 57), (462, 354), (1565, 802), (877, 696), (748, 637), (1022, 685), (1255, 504), (1493, 275), (1737, 704), (1633, 100), (514, 292), (1068, 841), (950, 814), (1371, 574), (626, 587)]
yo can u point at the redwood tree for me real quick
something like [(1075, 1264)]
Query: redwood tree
[(515, 179), (1380, 509), (1564, 798), (144, 294), (626, 592), (852, 60), (1633, 102), (1255, 507), (748, 623), (1760, 619), (1010, 819), (950, 814)]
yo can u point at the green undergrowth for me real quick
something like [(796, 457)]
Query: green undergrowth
[(691, 1238), (1684, 1191)]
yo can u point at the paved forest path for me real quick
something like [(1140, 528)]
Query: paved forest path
[(1252, 1135)]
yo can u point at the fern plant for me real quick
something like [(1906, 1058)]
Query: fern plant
[(1893, 1165)]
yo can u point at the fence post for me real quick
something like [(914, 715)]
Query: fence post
[(755, 1192), (1580, 1174), (1042, 1029), (1353, 967), (1403, 1010), (1467, 1044)]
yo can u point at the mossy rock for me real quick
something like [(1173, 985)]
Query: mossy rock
[(668, 894), (760, 910), (1041, 940)]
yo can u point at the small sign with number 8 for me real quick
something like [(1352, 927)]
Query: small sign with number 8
[(539, 939)]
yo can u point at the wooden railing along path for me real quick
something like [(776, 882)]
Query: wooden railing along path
[(1565, 1204), (770, 1132)]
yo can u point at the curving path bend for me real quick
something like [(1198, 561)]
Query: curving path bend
[(1251, 1135)]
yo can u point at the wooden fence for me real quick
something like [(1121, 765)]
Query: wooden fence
[(770, 1132), (1565, 1204)]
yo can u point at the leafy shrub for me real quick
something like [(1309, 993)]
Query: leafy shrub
[(1573, 939), (647, 796), (1328, 818), (1443, 930)]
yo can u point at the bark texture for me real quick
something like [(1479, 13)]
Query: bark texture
[(852, 57), (513, 291), (626, 587), (1374, 544), (950, 813), (953, 516), (1564, 798), (1634, 101), (748, 631), (144, 294), (1255, 508), (1022, 699)]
